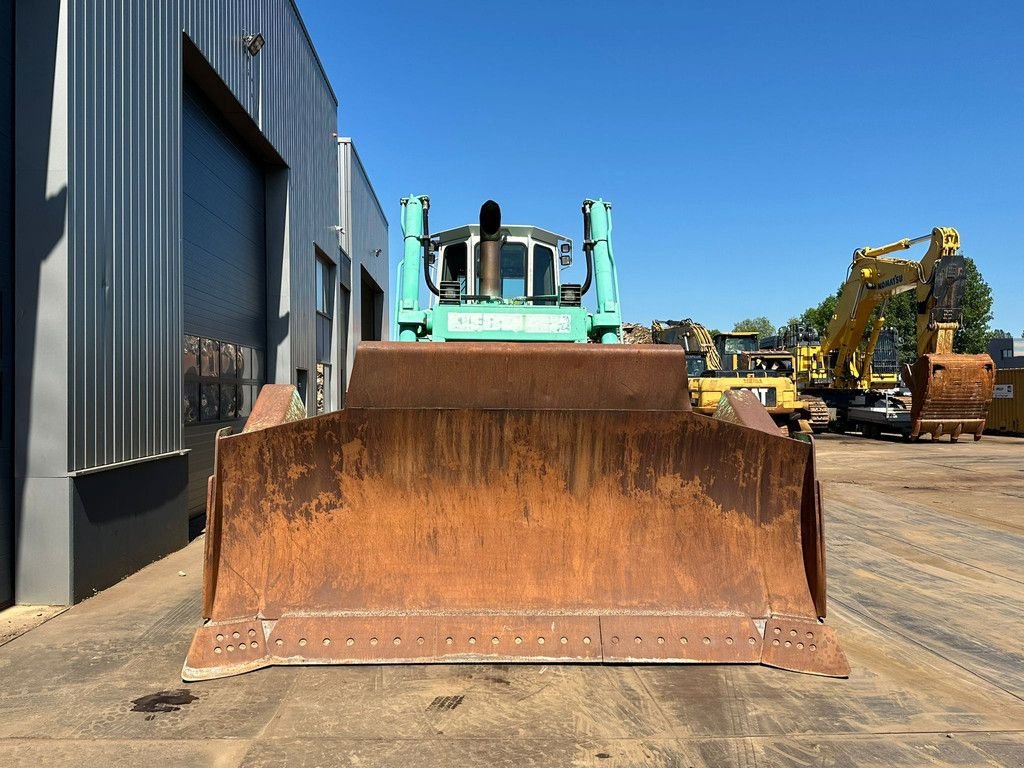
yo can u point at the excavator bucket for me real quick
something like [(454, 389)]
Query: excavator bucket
[(951, 395), (491, 502)]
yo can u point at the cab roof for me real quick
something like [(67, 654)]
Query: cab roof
[(513, 230)]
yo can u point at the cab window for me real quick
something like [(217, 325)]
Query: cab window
[(543, 277), (513, 270), (455, 264), (734, 345), (694, 365)]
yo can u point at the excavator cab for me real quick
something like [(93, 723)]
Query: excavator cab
[(731, 346)]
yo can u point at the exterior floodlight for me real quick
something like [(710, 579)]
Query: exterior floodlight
[(254, 43), (565, 253)]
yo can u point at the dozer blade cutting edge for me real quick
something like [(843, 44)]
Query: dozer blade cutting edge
[(513, 502), (951, 395)]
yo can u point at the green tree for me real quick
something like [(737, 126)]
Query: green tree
[(973, 335), (901, 315), (762, 325), (820, 316)]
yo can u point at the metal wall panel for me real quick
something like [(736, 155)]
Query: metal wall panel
[(124, 218), (6, 302), (124, 213), (41, 352)]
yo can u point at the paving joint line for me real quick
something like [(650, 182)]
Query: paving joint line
[(915, 641)]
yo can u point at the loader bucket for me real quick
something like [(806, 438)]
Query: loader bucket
[(951, 395), (513, 503)]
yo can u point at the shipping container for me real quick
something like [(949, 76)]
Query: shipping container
[(1006, 416)]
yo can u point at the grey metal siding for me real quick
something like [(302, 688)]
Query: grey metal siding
[(99, 274), (124, 267), (125, 253), (6, 302), (223, 232), (41, 406)]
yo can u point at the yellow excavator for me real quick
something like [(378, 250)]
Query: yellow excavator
[(949, 393), (484, 499), (726, 362)]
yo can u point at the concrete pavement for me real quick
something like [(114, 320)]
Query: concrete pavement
[(926, 587)]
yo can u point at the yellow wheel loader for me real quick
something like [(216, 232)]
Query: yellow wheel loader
[(481, 499)]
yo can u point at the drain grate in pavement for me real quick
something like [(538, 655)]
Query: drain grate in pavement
[(444, 703)]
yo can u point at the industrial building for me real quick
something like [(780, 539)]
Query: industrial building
[(1007, 352), (187, 226)]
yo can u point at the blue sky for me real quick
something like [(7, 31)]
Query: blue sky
[(748, 147)]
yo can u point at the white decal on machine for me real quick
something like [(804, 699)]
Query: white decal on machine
[(507, 322)]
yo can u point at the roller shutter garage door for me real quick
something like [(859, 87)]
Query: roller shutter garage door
[(224, 265)]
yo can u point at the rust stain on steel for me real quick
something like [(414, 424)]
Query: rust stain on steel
[(510, 375), (741, 406), (803, 646), (276, 404), (951, 395), (732, 639), (402, 521)]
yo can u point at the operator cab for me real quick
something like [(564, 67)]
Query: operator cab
[(731, 345), (531, 259), (696, 364)]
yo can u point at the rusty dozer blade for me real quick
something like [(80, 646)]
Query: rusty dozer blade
[(513, 502), (951, 395)]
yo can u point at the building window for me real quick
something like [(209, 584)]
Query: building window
[(324, 329), (324, 287), (222, 380), (1006, 353)]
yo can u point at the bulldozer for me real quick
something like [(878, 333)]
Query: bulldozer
[(507, 482), (726, 362)]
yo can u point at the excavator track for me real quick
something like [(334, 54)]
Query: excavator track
[(818, 410)]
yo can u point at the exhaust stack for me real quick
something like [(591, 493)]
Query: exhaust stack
[(490, 250)]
